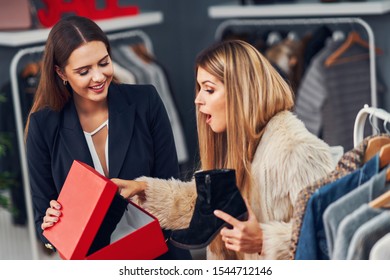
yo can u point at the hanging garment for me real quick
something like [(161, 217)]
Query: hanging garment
[(130, 56), (348, 227), (312, 92), (283, 57), (349, 89), (123, 75), (316, 43), (312, 240), (345, 205), (336, 93), (380, 250), (120, 59), (349, 162), (367, 235)]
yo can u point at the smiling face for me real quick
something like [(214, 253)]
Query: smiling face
[(89, 72), (211, 100)]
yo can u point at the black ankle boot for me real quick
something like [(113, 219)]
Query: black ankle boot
[(216, 190)]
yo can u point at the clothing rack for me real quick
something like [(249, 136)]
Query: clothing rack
[(378, 113), (19, 121), (133, 33), (313, 21)]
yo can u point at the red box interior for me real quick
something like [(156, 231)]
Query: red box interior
[(85, 198)]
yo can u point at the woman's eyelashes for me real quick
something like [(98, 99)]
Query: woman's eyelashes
[(85, 72), (103, 64)]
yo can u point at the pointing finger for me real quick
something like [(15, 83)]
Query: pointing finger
[(226, 217)]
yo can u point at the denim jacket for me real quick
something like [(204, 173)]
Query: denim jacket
[(312, 243)]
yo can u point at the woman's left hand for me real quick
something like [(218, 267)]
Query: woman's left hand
[(245, 236)]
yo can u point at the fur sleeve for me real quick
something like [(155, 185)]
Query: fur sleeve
[(172, 201), (276, 240)]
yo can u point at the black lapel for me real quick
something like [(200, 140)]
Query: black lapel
[(73, 136), (120, 129)]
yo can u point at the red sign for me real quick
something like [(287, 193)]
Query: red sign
[(87, 8)]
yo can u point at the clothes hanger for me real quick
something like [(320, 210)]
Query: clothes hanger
[(273, 38), (376, 143), (384, 156), (338, 35), (381, 201), (353, 38), (384, 199)]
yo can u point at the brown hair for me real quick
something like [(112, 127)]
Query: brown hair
[(255, 92), (65, 36)]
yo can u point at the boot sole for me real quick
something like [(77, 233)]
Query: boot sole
[(242, 217)]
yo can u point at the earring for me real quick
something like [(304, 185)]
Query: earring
[(65, 82)]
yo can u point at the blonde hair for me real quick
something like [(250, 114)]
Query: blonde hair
[(255, 92)]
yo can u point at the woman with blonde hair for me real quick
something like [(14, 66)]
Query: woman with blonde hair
[(244, 123)]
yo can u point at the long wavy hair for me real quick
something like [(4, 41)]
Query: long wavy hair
[(65, 36), (255, 92)]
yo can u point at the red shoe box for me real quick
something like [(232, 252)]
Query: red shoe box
[(85, 198)]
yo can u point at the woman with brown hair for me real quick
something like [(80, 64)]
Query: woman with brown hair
[(79, 113)]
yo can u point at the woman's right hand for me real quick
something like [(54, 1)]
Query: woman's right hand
[(129, 188), (52, 216)]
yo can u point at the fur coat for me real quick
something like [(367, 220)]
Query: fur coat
[(288, 159)]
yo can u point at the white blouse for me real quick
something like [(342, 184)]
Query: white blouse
[(92, 150)]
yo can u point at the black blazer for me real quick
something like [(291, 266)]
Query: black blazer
[(140, 143)]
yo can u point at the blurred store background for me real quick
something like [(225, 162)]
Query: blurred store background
[(174, 31)]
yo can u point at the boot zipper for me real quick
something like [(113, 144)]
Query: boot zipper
[(208, 188)]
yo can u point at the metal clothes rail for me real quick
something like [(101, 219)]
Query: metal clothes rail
[(367, 111), (20, 126), (313, 21)]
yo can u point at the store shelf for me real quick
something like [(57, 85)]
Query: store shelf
[(300, 10), (20, 38)]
